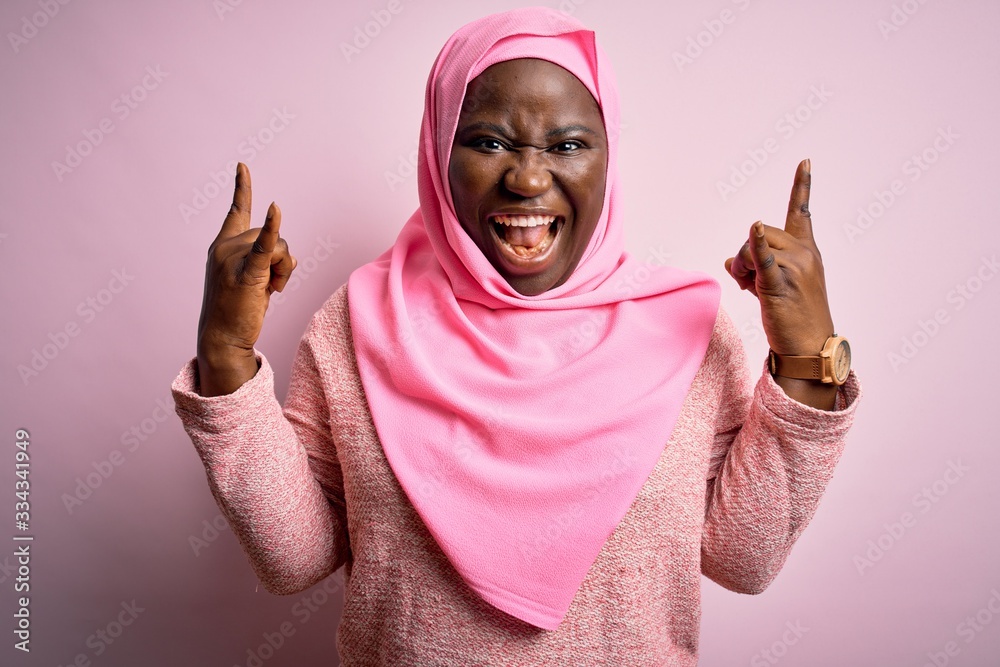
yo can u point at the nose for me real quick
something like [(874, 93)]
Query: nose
[(528, 176)]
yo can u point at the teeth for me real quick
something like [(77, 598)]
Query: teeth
[(525, 220)]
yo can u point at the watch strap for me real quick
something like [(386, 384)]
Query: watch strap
[(802, 367)]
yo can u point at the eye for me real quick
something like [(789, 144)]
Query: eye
[(567, 146), (488, 144)]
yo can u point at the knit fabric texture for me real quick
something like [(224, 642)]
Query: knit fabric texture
[(307, 490)]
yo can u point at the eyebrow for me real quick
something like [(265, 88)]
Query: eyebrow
[(566, 129), (493, 127)]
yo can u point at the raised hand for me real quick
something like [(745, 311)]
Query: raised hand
[(784, 270), (244, 267)]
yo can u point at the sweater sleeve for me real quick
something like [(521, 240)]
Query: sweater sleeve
[(273, 471), (771, 462)]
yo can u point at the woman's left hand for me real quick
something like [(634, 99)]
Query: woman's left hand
[(784, 270)]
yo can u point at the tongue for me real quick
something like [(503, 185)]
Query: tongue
[(525, 236)]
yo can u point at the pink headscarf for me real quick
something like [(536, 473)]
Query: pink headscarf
[(522, 427)]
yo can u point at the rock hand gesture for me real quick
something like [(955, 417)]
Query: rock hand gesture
[(244, 267), (784, 270)]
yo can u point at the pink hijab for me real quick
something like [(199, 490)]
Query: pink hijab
[(522, 427)]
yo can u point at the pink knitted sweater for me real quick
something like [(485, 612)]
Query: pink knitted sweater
[(307, 489)]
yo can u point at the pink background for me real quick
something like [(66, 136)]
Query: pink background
[(883, 576)]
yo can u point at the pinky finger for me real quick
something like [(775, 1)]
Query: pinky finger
[(736, 268), (259, 259), (765, 264), (281, 272)]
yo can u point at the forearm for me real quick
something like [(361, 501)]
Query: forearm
[(819, 395), (277, 510), (770, 484), (223, 369), (259, 472)]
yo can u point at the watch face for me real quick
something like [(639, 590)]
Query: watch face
[(842, 361)]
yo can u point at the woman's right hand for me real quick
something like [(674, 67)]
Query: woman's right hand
[(244, 267)]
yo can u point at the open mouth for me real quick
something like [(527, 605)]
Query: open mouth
[(525, 238)]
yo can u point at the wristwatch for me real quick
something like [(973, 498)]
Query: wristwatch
[(831, 366)]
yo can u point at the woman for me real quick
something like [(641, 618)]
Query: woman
[(521, 453)]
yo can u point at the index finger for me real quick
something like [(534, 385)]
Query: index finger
[(798, 222), (238, 219)]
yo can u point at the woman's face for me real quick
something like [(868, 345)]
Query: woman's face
[(528, 169)]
